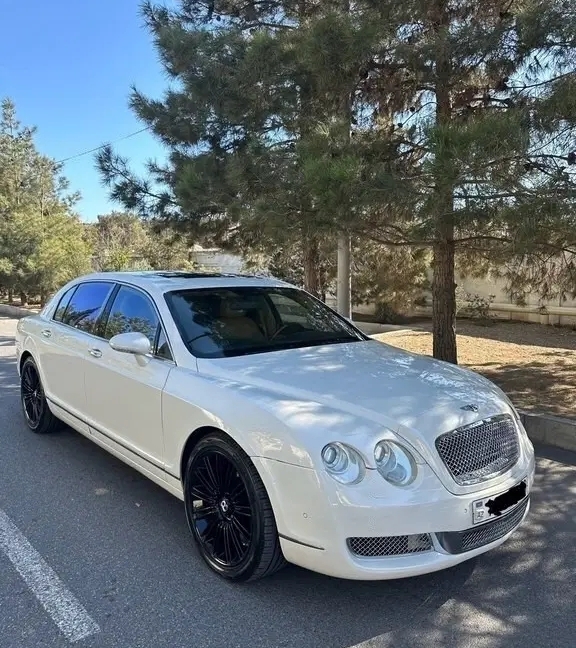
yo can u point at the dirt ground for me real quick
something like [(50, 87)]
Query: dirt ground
[(535, 365)]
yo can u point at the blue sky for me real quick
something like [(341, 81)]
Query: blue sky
[(68, 65)]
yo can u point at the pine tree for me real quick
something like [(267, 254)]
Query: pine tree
[(439, 124), (485, 92), (257, 129)]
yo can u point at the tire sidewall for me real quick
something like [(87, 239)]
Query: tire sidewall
[(247, 567)]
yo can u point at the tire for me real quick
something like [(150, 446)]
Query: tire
[(229, 512), (35, 407)]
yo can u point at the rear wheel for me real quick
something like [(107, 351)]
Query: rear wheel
[(37, 414), (229, 512)]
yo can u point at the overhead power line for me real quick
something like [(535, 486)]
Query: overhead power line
[(98, 148)]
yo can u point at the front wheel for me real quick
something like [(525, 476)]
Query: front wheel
[(229, 513), (37, 414)]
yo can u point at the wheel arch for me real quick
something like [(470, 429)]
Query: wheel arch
[(25, 355), (192, 441)]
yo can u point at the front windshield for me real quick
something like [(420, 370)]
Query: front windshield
[(224, 322)]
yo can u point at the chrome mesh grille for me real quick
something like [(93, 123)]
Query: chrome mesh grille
[(460, 541), (480, 451), (390, 545)]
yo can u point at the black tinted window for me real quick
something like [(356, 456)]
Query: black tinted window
[(222, 322), (163, 348), (131, 312), (64, 301), (86, 305)]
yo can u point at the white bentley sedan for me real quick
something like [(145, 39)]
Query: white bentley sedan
[(288, 434)]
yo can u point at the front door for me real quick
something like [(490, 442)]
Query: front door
[(124, 391)]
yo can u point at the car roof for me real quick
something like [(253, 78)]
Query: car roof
[(163, 281)]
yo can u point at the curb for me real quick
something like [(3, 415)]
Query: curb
[(550, 430)]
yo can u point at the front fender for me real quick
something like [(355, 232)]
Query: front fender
[(264, 424)]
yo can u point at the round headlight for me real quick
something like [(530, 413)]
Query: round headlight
[(343, 463), (395, 463)]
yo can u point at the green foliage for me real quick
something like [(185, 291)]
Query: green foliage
[(449, 125), (122, 241), (474, 305), (42, 243), (391, 278)]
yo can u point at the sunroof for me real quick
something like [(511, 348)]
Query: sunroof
[(196, 275)]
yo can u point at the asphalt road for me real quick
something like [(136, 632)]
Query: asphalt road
[(120, 546)]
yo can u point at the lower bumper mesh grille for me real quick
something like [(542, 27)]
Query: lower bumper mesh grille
[(456, 542), (390, 545)]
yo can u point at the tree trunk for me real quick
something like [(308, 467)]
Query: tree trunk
[(23, 299), (343, 292), (43, 298), (444, 301), (443, 283), (312, 266), (10, 296)]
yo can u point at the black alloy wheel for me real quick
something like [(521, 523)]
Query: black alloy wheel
[(38, 416), (229, 512)]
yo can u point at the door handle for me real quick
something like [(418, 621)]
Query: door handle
[(47, 333), (95, 352)]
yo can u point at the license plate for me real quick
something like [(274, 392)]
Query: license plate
[(492, 507)]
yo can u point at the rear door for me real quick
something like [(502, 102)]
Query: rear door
[(65, 341), (123, 391)]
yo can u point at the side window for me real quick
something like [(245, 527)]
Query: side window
[(131, 312), (162, 346), (290, 311), (86, 304), (63, 303)]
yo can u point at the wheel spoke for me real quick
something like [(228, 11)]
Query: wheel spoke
[(218, 544), (227, 547), (238, 488), (211, 530), (206, 483), (236, 540), (27, 380), (240, 528), (206, 512), (212, 479), (245, 511), (222, 521), (227, 474), (201, 492)]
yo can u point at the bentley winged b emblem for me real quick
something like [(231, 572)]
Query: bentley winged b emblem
[(471, 407)]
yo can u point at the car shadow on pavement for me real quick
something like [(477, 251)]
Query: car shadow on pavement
[(522, 593), (128, 547), (114, 508)]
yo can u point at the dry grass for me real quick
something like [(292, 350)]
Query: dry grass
[(535, 365)]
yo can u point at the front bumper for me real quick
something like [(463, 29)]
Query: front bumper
[(316, 519)]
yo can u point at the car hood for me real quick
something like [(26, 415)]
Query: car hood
[(415, 396)]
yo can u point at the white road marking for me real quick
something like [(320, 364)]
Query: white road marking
[(66, 612)]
